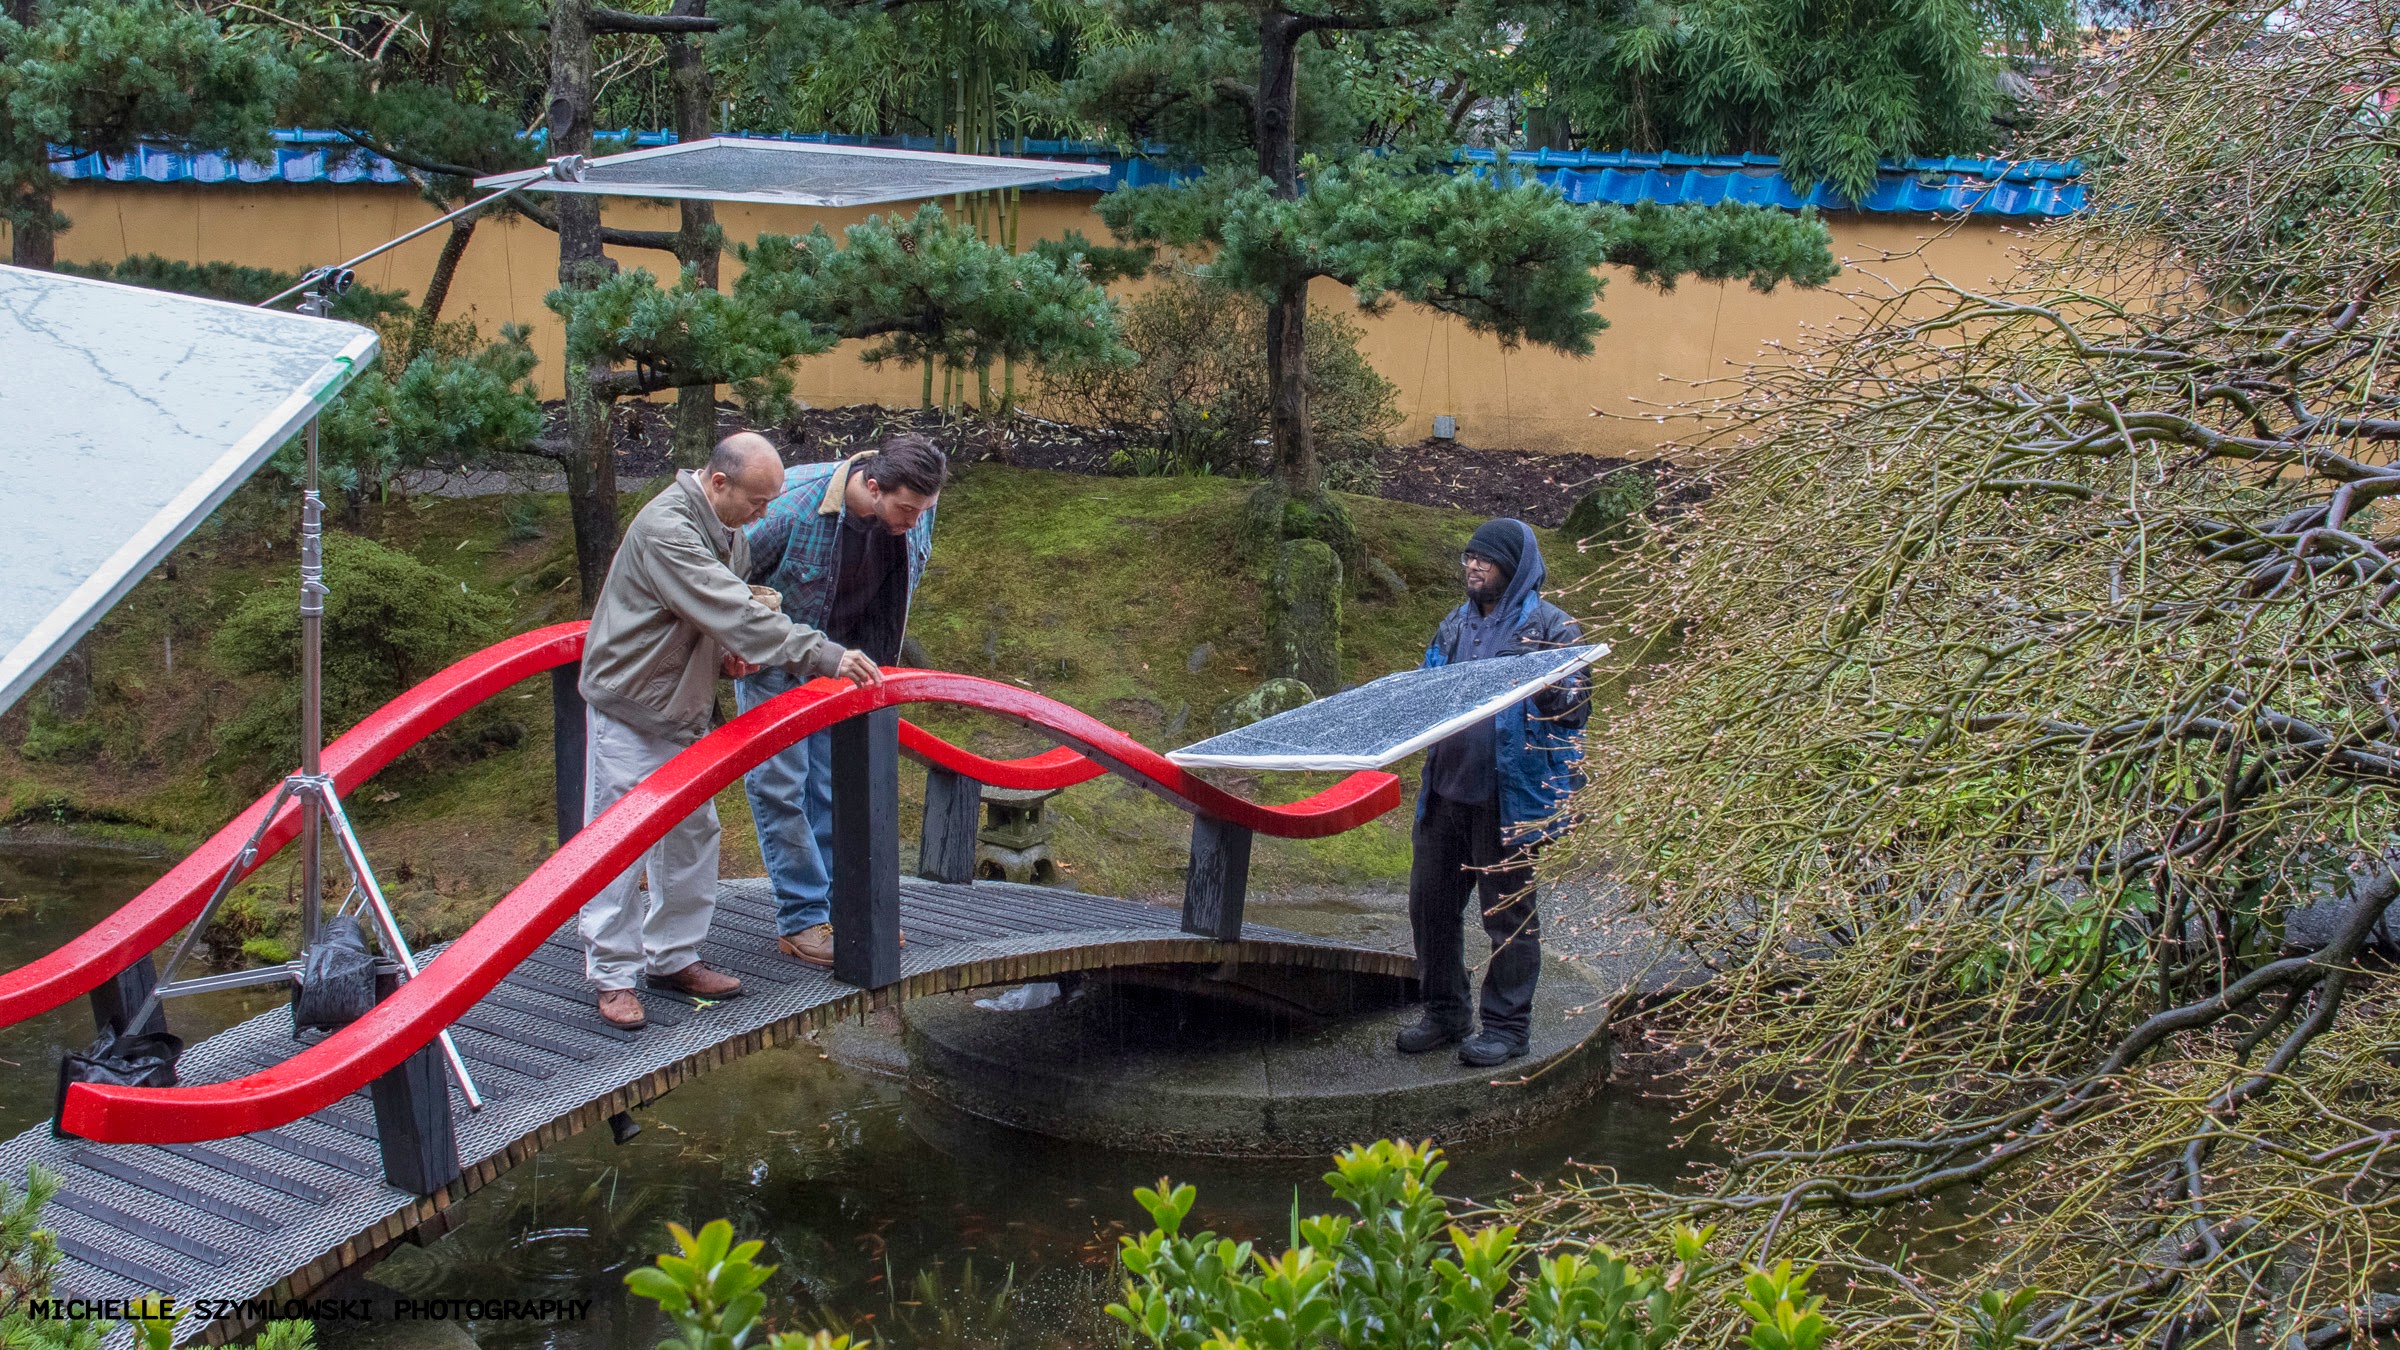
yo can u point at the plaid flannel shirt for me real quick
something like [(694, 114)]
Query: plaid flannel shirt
[(793, 545)]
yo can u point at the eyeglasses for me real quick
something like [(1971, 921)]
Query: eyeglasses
[(1470, 559)]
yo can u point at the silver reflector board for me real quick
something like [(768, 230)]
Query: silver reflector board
[(790, 173), (126, 416), (1391, 718)]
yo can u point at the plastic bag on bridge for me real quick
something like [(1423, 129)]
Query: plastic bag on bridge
[(337, 978), (127, 1061)]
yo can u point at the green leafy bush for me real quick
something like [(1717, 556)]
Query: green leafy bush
[(1197, 401), (709, 1290), (442, 407), (1402, 1274), (390, 621), (1610, 508)]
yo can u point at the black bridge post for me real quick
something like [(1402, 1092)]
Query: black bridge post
[(1218, 881), (412, 1115), (953, 814), (125, 991), (568, 746), (866, 849)]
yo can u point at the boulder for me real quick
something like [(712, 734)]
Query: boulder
[(1272, 697)]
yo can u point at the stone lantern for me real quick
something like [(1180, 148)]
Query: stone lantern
[(1014, 843)]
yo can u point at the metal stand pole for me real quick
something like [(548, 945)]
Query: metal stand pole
[(320, 805), (312, 682)]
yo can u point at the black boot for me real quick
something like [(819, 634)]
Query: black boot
[(1426, 1034), (1490, 1048)]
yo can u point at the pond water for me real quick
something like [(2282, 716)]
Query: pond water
[(884, 1213)]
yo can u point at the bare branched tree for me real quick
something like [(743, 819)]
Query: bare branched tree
[(2020, 745)]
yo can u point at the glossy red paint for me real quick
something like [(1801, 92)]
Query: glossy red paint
[(174, 900), (471, 966), (1055, 768)]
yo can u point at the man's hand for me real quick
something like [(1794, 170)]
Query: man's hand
[(735, 667), (860, 669)]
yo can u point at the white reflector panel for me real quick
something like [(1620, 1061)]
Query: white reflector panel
[(1391, 718), (788, 173), (126, 416)]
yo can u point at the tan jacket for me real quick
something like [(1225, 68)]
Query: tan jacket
[(673, 604)]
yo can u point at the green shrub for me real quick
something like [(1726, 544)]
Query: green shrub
[(390, 621), (1197, 400), (709, 1290), (1401, 1273), (1609, 509)]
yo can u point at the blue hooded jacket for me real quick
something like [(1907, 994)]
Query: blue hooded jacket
[(1536, 744)]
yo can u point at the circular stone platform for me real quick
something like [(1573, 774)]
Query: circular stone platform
[(1248, 1062)]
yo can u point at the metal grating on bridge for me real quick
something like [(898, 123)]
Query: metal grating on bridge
[(286, 1209)]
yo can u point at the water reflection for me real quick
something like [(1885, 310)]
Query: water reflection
[(884, 1213), (49, 893)]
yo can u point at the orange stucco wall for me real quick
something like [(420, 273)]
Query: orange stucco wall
[(1530, 398)]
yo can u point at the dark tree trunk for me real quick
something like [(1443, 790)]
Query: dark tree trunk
[(695, 242), (591, 461), (32, 240), (437, 289), (1279, 36)]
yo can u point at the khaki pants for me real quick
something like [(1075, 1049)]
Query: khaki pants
[(624, 936)]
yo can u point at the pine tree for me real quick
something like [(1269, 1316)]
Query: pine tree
[(82, 77), (1505, 253)]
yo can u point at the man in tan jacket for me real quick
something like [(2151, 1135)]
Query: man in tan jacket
[(673, 616)]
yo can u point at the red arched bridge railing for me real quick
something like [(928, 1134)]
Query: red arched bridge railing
[(868, 737)]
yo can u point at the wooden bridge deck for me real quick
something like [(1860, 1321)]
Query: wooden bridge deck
[(281, 1212)]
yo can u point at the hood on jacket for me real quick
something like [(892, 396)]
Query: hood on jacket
[(1529, 576)]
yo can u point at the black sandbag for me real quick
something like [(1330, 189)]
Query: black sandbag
[(125, 1061), (337, 978)]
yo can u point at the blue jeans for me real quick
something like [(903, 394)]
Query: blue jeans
[(791, 800)]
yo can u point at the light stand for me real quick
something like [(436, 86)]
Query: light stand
[(312, 788)]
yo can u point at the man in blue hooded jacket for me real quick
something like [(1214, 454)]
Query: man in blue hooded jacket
[(1489, 797), (844, 545)]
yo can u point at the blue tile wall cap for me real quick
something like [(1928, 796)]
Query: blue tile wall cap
[(1946, 186)]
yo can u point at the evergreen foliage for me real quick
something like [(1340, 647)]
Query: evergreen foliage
[(98, 76), (689, 333), (1829, 88), (1506, 254), (390, 621), (925, 288), (437, 410)]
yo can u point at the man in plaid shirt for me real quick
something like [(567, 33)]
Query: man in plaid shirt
[(845, 545)]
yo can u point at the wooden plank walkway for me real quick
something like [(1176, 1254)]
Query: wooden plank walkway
[(281, 1212)]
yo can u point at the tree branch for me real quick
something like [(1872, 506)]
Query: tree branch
[(663, 25)]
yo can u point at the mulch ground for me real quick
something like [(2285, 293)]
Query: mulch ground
[(1535, 487)]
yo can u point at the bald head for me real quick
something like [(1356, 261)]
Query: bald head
[(744, 474)]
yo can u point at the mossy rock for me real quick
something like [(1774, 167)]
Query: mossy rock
[(1304, 615), (1272, 697), (1608, 511), (1273, 517)]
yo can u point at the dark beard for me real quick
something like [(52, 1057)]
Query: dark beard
[(1487, 595)]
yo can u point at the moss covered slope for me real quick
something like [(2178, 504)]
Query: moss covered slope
[(1125, 597)]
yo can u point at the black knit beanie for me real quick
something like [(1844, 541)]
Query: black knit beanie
[(1502, 541)]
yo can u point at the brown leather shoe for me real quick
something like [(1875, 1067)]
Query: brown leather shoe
[(810, 946), (619, 1008), (814, 946), (700, 982)]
